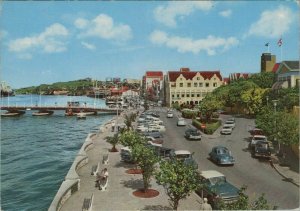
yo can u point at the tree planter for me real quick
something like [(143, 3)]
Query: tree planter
[(134, 171), (113, 150), (150, 193)]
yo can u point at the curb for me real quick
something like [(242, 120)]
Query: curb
[(291, 180)]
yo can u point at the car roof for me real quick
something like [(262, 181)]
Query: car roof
[(211, 173), (180, 118), (182, 152), (219, 147), (259, 136)]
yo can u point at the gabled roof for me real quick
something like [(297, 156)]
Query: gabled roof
[(275, 68), (292, 65), (154, 74), (173, 75)]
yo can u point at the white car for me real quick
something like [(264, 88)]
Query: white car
[(230, 123), (257, 138), (181, 122), (170, 115), (226, 130)]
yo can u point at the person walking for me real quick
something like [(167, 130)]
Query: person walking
[(205, 205)]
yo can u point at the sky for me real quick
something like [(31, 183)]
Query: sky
[(49, 41)]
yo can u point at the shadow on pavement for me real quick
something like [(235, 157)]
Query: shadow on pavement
[(124, 165), (156, 207), (134, 184)]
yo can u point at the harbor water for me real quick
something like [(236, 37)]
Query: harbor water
[(37, 152)]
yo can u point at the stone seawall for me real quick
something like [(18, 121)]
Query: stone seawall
[(71, 184)]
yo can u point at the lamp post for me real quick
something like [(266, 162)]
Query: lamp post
[(275, 105)]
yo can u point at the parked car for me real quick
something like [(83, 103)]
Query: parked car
[(226, 130), (153, 134), (230, 123), (181, 122), (170, 115), (216, 188), (231, 119), (155, 140), (256, 131), (221, 155), (193, 134), (261, 150), (255, 139), (186, 156)]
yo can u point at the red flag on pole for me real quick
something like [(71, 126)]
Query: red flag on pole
[(279, 43)]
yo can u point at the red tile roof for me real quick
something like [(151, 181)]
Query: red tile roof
[(275, 68), (173, 75), (154, 74)]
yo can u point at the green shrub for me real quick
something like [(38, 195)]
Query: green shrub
[(189, 114), (210, 127)]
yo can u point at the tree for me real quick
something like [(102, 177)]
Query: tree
[(264, 79), (146, 158), (131, 138), (280, 126), (208, 105), (253, 99), (113, 140), (178, 179), (128, 119), (243, 203)]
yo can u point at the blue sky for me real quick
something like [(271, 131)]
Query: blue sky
[(46, 42)]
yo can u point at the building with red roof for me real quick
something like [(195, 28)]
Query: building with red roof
[(190, 87), (152, 83)]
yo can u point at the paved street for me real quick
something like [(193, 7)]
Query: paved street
[(257, 175)]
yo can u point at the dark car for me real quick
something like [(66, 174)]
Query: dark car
[(215, 188), (153, 134), (261, 149), (192, 134), (221, 155)]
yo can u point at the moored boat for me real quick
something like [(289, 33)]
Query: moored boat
[(43, 113), (81, 116), (12, 113)]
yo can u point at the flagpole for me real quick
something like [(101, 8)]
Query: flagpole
[(281, 53)]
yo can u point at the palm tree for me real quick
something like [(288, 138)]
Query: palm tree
[(128, 119), (113, 140)]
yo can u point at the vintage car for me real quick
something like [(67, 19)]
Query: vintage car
[(186, 156), (181, 122), (226, 130), (170, 114), (216, 188), (261, 150), (192, 134), (230, 123), (255, 139), (221, 155)]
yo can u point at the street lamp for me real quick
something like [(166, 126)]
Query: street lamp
[(275, 138)]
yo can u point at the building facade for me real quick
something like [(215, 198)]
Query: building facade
[(190, 87), (153, 83), (287, 75), (267, 62)]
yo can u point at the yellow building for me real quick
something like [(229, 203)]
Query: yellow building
[(190, 87), (267, 62)]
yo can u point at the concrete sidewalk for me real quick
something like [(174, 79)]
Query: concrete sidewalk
[(118, 195)]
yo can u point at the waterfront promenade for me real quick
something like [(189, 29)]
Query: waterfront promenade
[(118, 195)]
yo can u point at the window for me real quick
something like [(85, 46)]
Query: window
[(198, 95), (192, 95), (187, 95), (200, 84), (177, 95), (195, 84), (215, 84), (206, 84), (182, 95), (188, 84), (198, 78), (173, 95), (181, 84)]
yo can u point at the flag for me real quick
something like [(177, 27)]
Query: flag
[(267, 44), (279, 43)]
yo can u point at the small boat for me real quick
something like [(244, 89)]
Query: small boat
[(12, 113), (81, 116), (43, 113)]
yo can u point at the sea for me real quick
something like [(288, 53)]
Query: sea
[(37, 151)]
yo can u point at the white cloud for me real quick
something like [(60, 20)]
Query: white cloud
[(103, 26), (88, 45), (225, 13), (273, 23), (210, 44), (168, 14), (49, 40)]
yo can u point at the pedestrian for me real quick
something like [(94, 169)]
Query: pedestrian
[(101, 178), (205, 205), (113, 126)]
